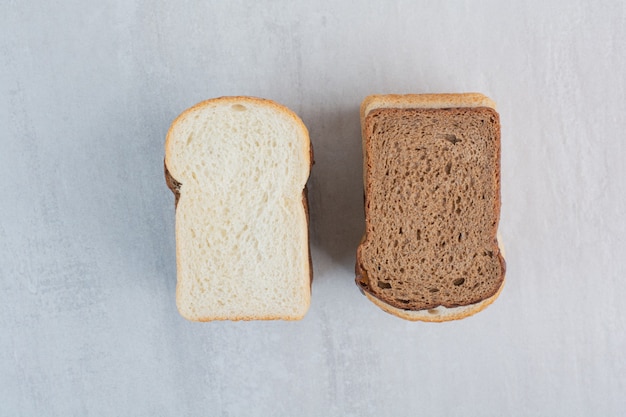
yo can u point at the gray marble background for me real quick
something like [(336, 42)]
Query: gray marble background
[(88, 323)]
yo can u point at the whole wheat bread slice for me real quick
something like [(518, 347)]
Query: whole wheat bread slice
[(238, 168), (432, 204)]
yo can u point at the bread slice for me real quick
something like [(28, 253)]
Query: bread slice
[(238, 167), (430, 250)]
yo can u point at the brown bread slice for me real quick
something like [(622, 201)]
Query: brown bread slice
[(432, 205)]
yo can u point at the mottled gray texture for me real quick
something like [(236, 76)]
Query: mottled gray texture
[(88, 323)]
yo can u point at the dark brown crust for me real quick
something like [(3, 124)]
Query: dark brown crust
[(305, 203), (362, 280), (172, 184)]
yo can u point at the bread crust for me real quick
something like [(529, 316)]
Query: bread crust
[(439, 314), (175, 186), (424, 101), (432, 101), (172, 184)]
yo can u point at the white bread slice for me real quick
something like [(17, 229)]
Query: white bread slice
[(238, 167), (425, 101)]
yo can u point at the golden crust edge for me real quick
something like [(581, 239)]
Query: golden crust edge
[(424, 101)]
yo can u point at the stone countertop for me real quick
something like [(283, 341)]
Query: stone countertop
[(89, 324)]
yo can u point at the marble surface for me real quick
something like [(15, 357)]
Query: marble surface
[(88, 323)]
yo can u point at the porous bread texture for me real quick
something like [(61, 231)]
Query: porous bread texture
[(432, 187), (242, 251), (437, 314)]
